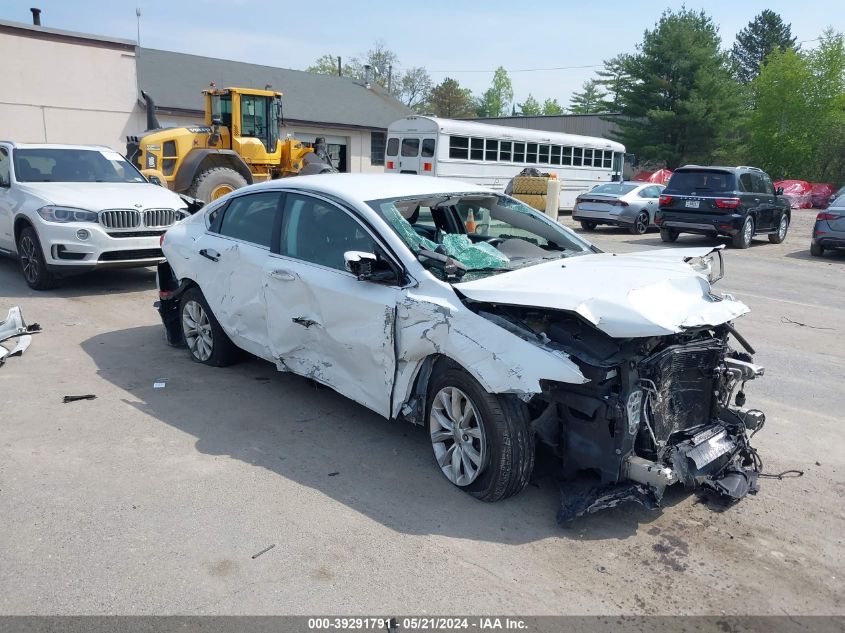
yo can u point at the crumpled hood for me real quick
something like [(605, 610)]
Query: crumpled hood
[(96, 196), (650, 293)]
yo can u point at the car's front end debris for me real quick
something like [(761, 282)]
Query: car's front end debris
[(16, 334)]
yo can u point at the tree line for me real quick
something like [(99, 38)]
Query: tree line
[(684, 98)]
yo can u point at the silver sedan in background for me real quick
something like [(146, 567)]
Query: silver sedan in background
[(628, 204), (829, 229)]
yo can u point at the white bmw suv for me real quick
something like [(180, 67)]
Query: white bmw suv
[(68, 209)]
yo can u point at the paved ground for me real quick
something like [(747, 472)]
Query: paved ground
[(154, 500)]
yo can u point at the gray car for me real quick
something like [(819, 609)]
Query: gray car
[(628, 204), (829, 229)]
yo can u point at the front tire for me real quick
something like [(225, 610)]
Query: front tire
[(33, 265), (640, 225), (783, 227), (483, 443), (745, 235), (669, 235), (588, 226), (207, 342), (215, 183)]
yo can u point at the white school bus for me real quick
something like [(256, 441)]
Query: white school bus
[(490, 155)]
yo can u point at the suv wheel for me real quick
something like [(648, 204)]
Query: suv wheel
[(33, 266), (668, 235), (783, 226), (483, 443), (745, 235), (206, 340), (588, 226)]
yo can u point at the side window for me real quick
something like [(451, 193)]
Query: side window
[(491, 152), (458, 147), (393, 146), (505, 151), (5, 174), (318, 232), (427, 148), (768, 187), (759, 184), (251, 217), (476, 151), (745, 182)]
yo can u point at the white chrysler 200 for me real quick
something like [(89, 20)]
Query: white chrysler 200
[(467, 312), (68, 209)]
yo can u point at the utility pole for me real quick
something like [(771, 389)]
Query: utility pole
[(138, 20), (390, 79), (339, 67)]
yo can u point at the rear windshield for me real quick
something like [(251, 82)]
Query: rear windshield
[(614, 188), (701, 181)]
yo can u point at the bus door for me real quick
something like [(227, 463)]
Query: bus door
[(417, 155)]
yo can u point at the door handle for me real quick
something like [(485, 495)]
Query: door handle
[(210, 254), (282, 275)]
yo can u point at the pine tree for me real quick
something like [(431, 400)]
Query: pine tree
[(589, 101), (764, 34)]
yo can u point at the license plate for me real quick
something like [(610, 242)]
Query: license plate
[(692, 204)]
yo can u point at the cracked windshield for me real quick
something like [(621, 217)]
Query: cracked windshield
[(487, 234)]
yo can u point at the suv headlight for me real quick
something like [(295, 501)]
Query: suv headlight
[(52, 213), (711, 265)]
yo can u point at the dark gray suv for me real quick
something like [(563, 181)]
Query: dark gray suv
[(737, 202)]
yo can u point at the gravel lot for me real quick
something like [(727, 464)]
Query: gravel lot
[(154, 500)]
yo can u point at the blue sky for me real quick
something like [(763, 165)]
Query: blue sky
[(438, 34)]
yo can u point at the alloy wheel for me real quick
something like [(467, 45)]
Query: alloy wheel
[(29, 258), (457, 436), (641, 223), (748, 231), (197, 329), (782, 228)]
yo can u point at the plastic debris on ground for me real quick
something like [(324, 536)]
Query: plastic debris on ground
[(18, 334)]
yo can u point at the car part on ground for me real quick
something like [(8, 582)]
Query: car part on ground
[(734, 202), (466, 312), (69, 209), (829, 228), (628, 204), (15, 330)]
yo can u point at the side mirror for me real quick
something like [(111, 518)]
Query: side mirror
[(779, 191), (360, 264), (155, 180)]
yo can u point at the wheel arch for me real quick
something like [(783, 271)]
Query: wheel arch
[(21, 222), (199, 160)]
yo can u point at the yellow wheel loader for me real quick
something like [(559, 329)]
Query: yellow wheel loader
[(239, 144)]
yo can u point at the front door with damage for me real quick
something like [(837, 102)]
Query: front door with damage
[(323, 322)]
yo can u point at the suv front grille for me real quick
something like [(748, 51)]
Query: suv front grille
[(144, 253), (161, 218), (120, 219)]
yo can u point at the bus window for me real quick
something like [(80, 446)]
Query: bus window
[(544, 155), (476, 151), (458, 147), (577, 156), (505, 151), (555, 154), (410, 147), (427, 148), (531, 154), (393, 146), (519, 152), (567, 156), (588, 158), (608, 159), (491, 150)]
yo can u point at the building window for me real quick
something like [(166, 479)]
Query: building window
[(377, 140)]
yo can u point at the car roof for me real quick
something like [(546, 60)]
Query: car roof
[(719, 168), (366, 187), (17, 145)]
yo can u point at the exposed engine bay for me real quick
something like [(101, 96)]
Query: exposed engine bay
[(656, 410)]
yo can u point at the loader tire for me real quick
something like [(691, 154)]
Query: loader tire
[(215, 183)]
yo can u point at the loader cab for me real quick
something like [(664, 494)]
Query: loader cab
[(253, 118)]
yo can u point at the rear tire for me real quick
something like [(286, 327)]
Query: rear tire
[(207, 342), (500, 423), (745, 235), (33, 266), (783, 227), (588, 226), (640, 225), (669, 235), (215, 183), (816, 250)]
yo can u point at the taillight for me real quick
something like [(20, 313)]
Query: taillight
[(426, 166), (390, 164), (664, 200), (620, 203), (827, 215), (658, 219), (727, 203)]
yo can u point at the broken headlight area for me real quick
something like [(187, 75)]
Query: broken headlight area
[(656, 411)]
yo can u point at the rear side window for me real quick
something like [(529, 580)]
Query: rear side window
[(702, 182), (4, 167), (746, 182), (759, 184), (250, 218), (427, 148), (393, 146)]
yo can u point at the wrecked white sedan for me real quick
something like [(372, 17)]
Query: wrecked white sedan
[(466, 311)]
